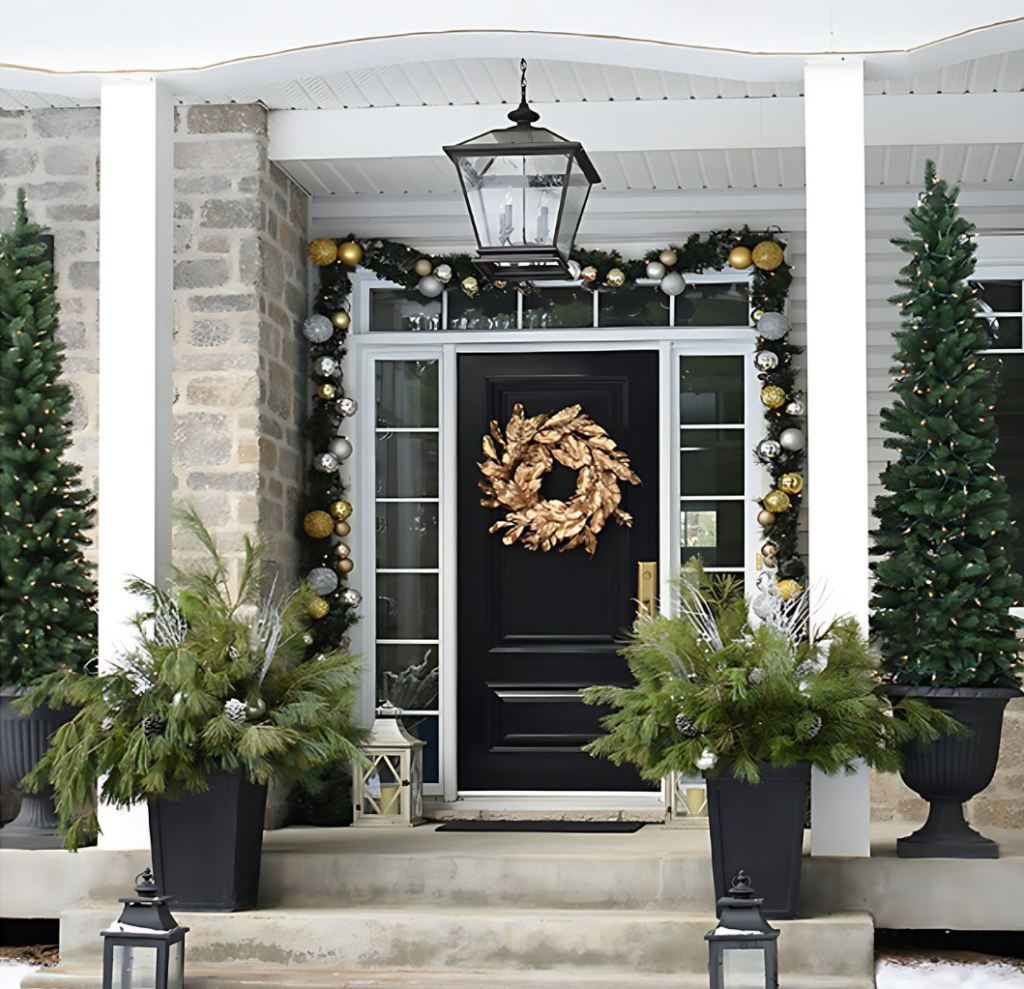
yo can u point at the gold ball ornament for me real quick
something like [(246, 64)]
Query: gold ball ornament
[(776, 501), (770, 562), (767, 255), (327, 391), (342, 529), (769, 549), (350, 253), (773, 396), (616, 277), (470, 285), (765, 518), (322, 251), (342, 551), (318, 524), (341, 510), (423, 267), (318, 608), (740, 258), (668, 257), (341, 319), (344, 566), (757, 314), (500, 283), (789, 589), (792, 483), (589, 273)]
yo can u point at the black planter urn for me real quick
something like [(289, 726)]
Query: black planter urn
[(759, 828), (23, 742), (950, 771), (207, 846)]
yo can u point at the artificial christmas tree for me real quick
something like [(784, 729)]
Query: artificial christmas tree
[(47, 594), (944, 584)]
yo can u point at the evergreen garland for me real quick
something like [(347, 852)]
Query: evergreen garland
[(944, 584), (47, 594)]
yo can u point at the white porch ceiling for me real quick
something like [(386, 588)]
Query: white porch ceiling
[(492, 81), (762, 168)]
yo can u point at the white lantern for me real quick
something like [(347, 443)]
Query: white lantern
[(389, 791), (686, 801)]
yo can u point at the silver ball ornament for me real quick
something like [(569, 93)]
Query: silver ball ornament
[(795, 408), (351, 597), (443, 273), (773, 326), (341, 447), (574, 269), (430, 286), (656, 270), (256, 709), (318, 329), (769, 449), (673, 284), (765, 360), (325, 462), (792, 439), (346, 406), (323, 580), (326, 367)]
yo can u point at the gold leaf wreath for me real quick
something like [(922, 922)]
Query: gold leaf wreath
[(528, 450)]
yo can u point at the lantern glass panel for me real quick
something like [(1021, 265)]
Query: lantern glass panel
[(176, 965), (743, 968), (577, 189), (134, 967), (383, 787)]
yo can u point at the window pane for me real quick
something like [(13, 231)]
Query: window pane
[(403, 309), (713, 304), (999, 296), (557, 308), (1007, 332), (426, 730), (1009, 459), (406, 676), (711, 461), (485, 311), (407, 606), (407, 465), (407, 393), (711, 390), (712, 530), (633, 305), (407, 535)]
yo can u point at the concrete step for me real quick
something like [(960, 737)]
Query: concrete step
[(581, 942)]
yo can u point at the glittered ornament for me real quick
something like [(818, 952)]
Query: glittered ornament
[(773, 326), (668, 257), (318, 329), (152, 726), (345, 566), (342, 529), (350, 253), (341, 319), (740, 258), (351, 597), (765, 518), (673, 284), (767, 255), (755, 676), (318, 608), (423, 267), (789, 588), (307, 638), (341, 551), (795, 408), (429, 286), (318, 525), (616, 278), (769, 549), (766, 360), (769, 449), (256, 709), (707, 760), (815, 727), (443, 273), (235, 710), (792, 439), (470, 285), (772, 396), (346, 406), (686, 727), (776, 501), (655, 270), (792, 483), (325, 462), (761, 606), (322, 251), (341, 447), (326, 391), (326, 367), (589, 273), (323, 580), (341, 509)]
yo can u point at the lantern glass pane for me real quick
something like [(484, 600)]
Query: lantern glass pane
[(514, 199), (577, 188), (382, 789), (134, 967), (743, 968), (176, 966)]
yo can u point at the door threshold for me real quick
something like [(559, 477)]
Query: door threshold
[(603, 806)]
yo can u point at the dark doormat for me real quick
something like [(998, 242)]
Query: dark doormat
[(565, 827)]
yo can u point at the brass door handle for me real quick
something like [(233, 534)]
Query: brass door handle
[(646, 588)]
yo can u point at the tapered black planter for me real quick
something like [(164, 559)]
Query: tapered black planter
[(759, 828), (23, 742), (950, 771), (207, 846)]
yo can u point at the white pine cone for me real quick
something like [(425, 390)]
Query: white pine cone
[(235, 710), (755, 676), (686, 727), (152, 725), (805, 669), (815, 727)]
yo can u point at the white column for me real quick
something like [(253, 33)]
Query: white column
[(136, 231), (837, 440)]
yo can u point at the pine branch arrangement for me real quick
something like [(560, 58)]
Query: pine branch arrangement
[(714, 692), (944, 584), (47, 594), (214, 682)]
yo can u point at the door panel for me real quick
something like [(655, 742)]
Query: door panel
[(535, 627)]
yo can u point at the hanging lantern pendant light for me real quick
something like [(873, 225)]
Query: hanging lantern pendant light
[(526, 188)]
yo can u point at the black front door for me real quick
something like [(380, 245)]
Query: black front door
[(534, 627)]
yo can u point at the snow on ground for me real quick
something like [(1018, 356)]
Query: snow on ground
[(11, 973), (917, 973)]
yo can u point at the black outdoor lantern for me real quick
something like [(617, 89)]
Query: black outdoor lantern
[(144, 948), (526, 188), (743, 948)]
